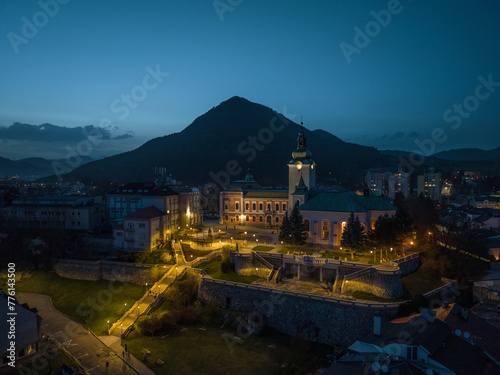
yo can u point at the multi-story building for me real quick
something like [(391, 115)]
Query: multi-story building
[(377, 183), (180, 207), (144, 229), (387, 184), (246, 202), (69, 212), (429, 184)]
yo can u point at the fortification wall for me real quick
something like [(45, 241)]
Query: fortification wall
[(328, 321)]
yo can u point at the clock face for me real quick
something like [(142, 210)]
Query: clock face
[(298, 165)]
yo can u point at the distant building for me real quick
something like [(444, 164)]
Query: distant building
[(429, 184), (67, 212), (491, 201), (28, 331), (387, 184)]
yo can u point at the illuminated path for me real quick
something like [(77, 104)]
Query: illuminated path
[(89, 351)]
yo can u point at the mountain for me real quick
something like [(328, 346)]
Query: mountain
[(228, 139), (470, 154), (30, 166), (10, 168)]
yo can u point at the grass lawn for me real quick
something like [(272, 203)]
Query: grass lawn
[(213, 269), (196, 351), (262, 248), (155, 256), (372, 297), (91, 303), (56, 363), (191, 254), (420, 282)]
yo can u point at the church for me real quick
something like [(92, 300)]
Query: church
[(325, 209)]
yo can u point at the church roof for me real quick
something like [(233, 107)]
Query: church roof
[(337, 200), (301, 188)]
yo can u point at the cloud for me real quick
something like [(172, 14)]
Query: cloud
[(54, 133), (397, 135)]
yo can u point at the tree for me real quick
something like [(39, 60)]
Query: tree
[(354, 234), (285, 230), (297, 226)]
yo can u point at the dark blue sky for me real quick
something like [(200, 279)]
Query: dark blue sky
[(284, 54)]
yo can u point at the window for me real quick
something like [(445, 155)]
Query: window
[(326, 229), (261, 207), (411, 353), (306, 227), (119, 234), (254, 206), (237, 206), (142, 236), (237, 217), (226, 218), (247, 206), (130, 225), (284, 206), (277, 206), (254, 219), (260, 219), (269, 206), (142, 225), (343, 226), (277, 219), (247, 218), (373, 223)]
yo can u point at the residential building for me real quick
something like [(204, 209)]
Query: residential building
[(142, 230), (448, 340), (429, 184), (67, 212)]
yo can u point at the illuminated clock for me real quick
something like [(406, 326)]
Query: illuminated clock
[(298, 165)]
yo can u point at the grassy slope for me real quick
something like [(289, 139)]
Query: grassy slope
[(213, 269), (75, 297), (196, 351)]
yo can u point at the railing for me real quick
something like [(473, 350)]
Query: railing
[(262, 260), (214, 255), (393, 305)]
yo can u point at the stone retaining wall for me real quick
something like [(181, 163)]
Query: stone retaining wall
[(328, 321), (126, 272)]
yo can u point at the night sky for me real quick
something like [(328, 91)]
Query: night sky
[(394, 86)]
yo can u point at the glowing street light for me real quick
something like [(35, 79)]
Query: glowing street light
[(108, 325)]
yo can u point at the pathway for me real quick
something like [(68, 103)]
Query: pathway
[(88, 350)]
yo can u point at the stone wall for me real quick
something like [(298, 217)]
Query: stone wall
[(126, 272), (385, 285), (323, 320), (409, 264)]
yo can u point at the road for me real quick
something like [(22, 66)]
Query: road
[(87, 349)]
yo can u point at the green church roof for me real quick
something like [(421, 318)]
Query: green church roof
[(345, 201)]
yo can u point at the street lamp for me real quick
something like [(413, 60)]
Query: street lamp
[(121, 329), (108, 325)]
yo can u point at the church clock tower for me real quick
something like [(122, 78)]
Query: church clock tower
[(301, 170)]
